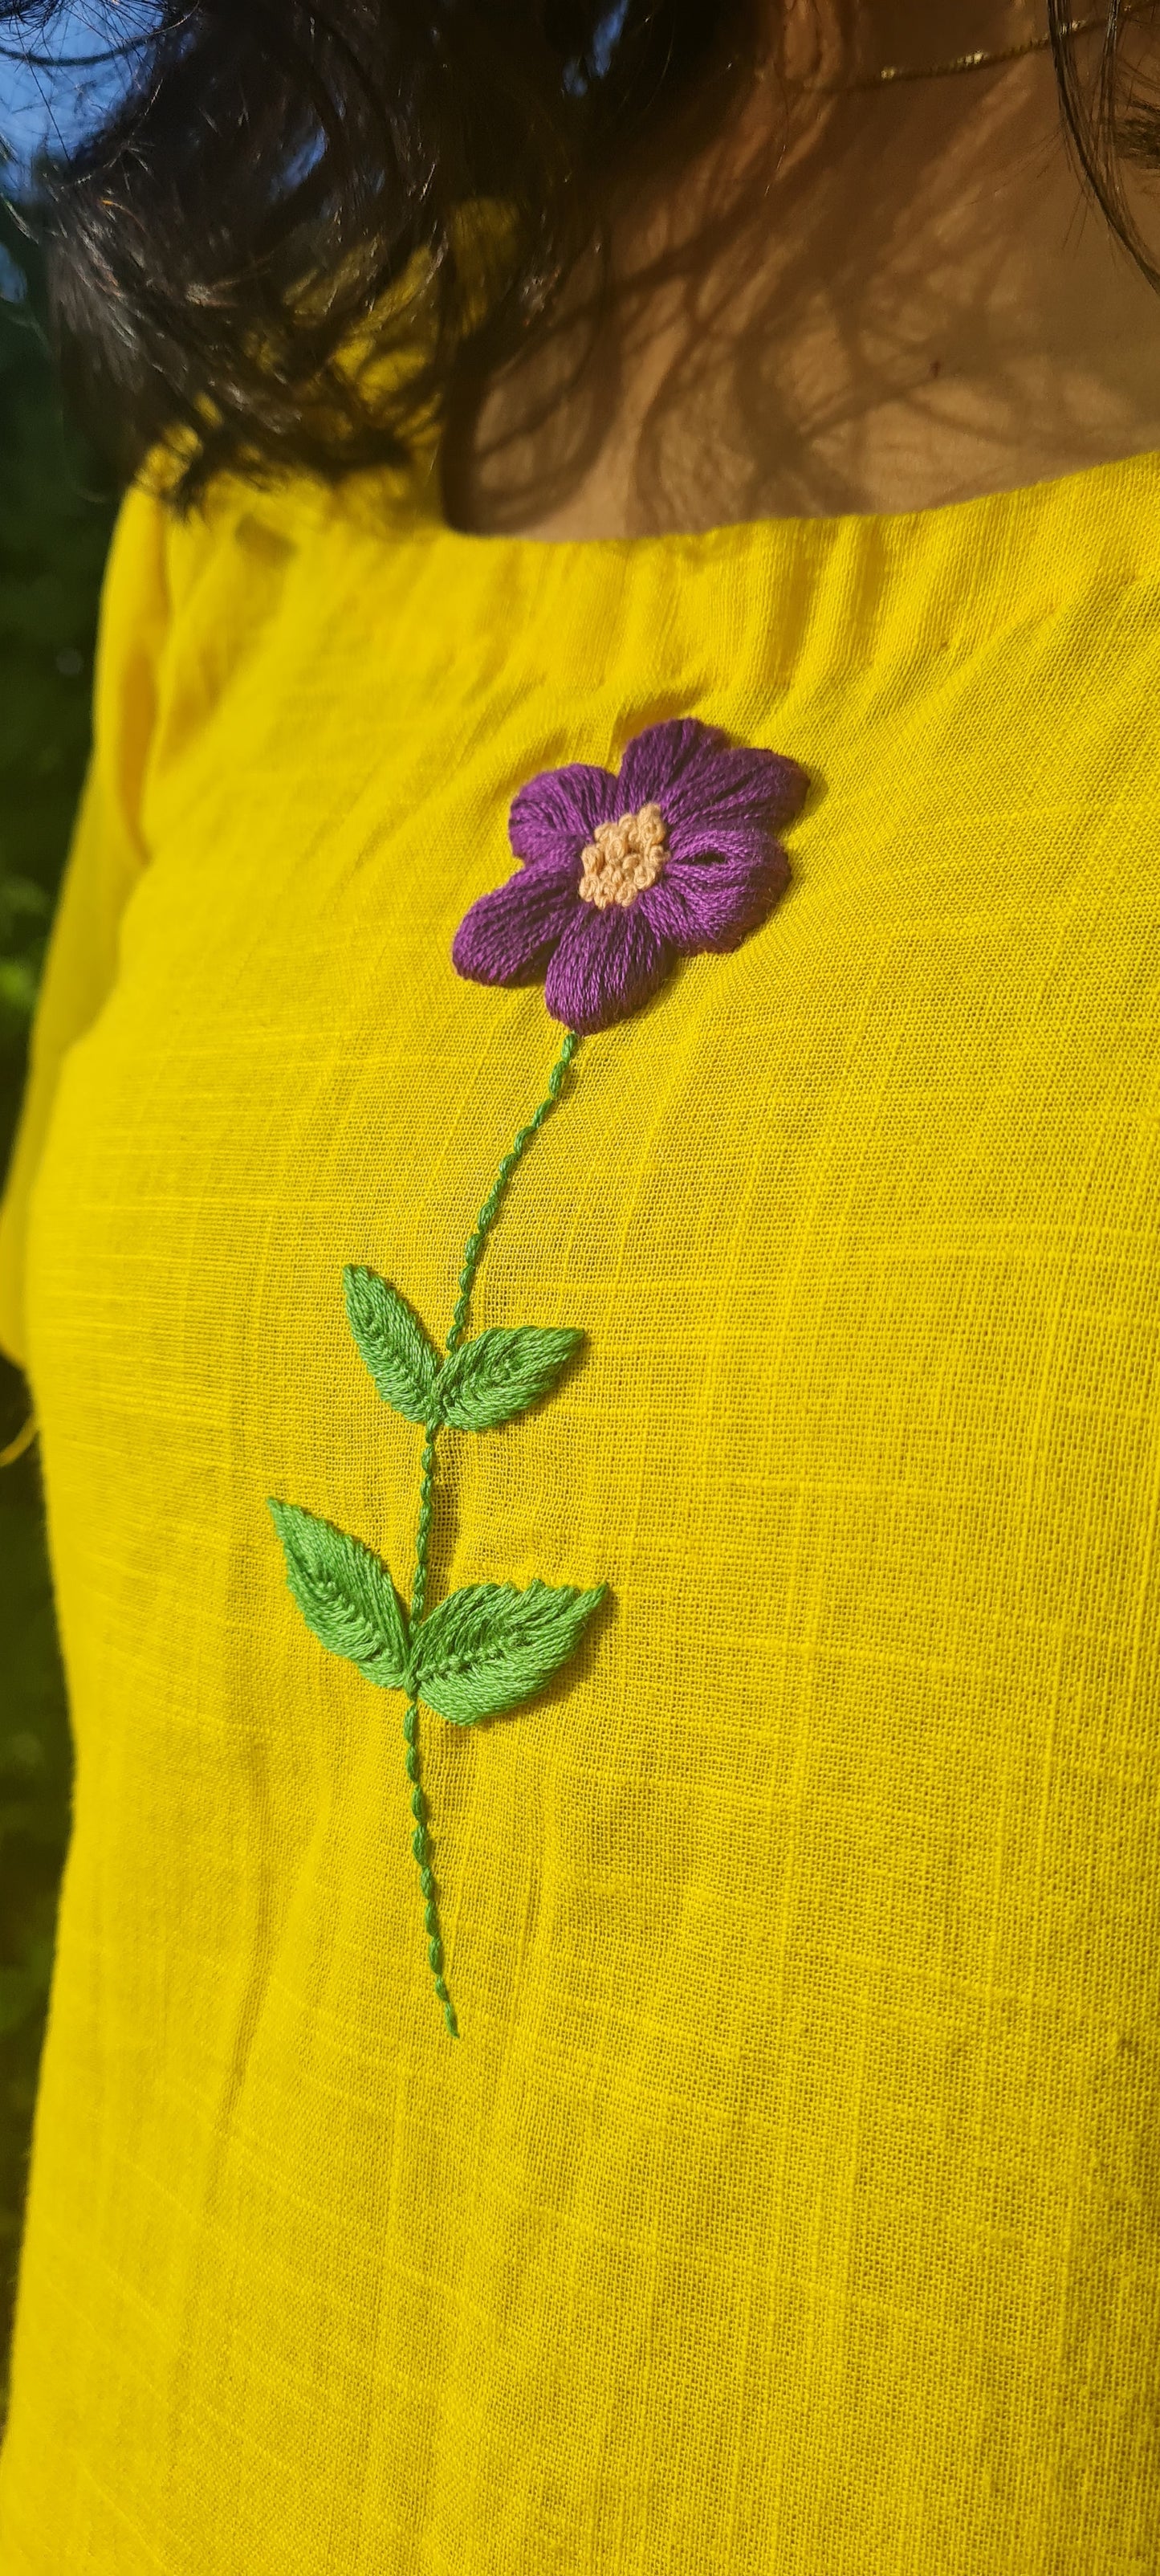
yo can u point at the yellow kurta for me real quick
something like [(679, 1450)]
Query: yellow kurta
[(790, 2205)]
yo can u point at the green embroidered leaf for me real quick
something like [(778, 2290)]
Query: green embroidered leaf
[(345, 1595), (490, 1645), (393, 1343), (500, 1374)]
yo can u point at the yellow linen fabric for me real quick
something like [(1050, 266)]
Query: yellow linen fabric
[(790, 2205)]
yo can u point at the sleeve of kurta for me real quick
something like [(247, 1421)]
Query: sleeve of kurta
[(107, 856)]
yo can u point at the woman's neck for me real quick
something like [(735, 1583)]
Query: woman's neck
[(874, 301)]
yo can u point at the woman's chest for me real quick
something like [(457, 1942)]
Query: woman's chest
[(859, 1223)]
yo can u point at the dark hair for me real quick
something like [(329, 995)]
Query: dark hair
[(243, 215)]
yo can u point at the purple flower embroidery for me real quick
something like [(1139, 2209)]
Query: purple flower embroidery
[(618, 875)]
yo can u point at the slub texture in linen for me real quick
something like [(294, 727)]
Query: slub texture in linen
[(791, 2203)]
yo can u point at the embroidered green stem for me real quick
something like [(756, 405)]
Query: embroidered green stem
[(423, 1528), (472, 1256), (420, 1839), (473, 1250)]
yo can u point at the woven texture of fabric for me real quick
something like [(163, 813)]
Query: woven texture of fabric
[(790, 2202)]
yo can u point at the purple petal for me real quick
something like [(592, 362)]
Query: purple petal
[(606, 965), (700, 779), (557, 812), (741, 844), (714, 903), (508, 937)]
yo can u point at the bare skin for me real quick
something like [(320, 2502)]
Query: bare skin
[(880, 301)]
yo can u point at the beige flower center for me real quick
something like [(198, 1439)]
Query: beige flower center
[(624, 858)]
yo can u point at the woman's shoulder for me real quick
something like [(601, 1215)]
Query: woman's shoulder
[(236, 519)]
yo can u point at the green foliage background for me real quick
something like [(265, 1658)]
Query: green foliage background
[(55, 518)]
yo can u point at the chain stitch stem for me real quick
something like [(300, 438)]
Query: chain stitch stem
[(473, 1250), (473, 1254)]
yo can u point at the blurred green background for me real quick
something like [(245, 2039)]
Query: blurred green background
[(55, 518)]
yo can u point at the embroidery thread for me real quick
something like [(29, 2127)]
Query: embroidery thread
[(619, 875), (485, 1648)]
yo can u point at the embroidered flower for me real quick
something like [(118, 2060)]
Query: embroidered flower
[(619, 875)]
